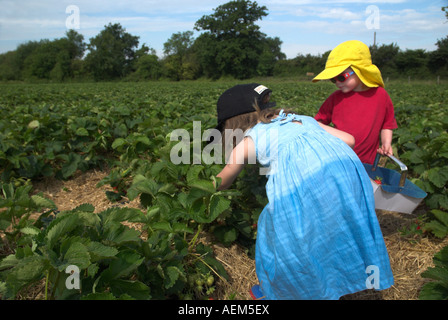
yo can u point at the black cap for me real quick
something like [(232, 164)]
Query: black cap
[(240, 100)]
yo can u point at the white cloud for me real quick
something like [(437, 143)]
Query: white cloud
[(306, 26), (324, 13)]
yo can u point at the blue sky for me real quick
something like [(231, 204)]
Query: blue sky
[(304, 26)]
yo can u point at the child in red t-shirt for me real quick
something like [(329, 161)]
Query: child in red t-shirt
[(360, 106)]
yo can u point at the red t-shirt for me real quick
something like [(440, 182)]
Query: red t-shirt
[(363, 115)]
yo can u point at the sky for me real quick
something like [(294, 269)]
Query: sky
[(304, 26)]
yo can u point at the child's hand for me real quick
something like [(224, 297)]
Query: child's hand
[(386, 150), (386, 143)]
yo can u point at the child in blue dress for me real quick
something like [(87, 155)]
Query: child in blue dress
[(318, 237)]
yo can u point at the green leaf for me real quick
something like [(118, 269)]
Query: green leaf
[(181, 228), (225, 234), (193, 173), (127, 261), (122, 214), (441, 216), (162, 225), (100, 251), (443, 152), (433, 291), (118, 143), (439, 225), (27, 271), (4, 224), (60, 227), (438, 289), (218, 205), (70, 167), (438, 176), (437, 273), (168, 189), (416, 156), (438, 229), (120, 234), (204, 185), (172, 274), (141, 184), (9, 262), (43, 202), (85, 207), (33, 231), (143, 139), (34, 124), (82, 132), (77, 255), (134, 289)]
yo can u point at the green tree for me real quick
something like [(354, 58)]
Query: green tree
[(270, 56), (148, 68), (410, 62), (112, 53), (179, 43), (44, 59), (232, 43), (8, 67), (206, 48), (22, 52), (384, 57), (75, 44), (438, 59), (180, 62), (50, 60)]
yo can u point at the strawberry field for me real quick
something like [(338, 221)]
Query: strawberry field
[(156, 249)]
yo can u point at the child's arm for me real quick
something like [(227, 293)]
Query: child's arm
[(386, 143), (238, 158), (344, 136)]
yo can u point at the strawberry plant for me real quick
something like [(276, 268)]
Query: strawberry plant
[(423, 146), (437, 289), (114, 261), (58, 129), (16, 207), (438, 223)]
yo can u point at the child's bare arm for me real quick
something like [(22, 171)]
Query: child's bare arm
[(236, 162), (386, 143), (344, 136)]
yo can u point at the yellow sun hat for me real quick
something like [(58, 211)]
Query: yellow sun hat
[(356, 55)]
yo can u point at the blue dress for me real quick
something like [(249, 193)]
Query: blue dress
[(318, 237)]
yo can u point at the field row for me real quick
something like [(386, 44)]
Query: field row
[(57, 129)]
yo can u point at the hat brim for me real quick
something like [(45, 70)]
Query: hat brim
[(330, 73)]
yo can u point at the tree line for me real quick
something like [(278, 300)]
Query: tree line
[(230, 45)]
